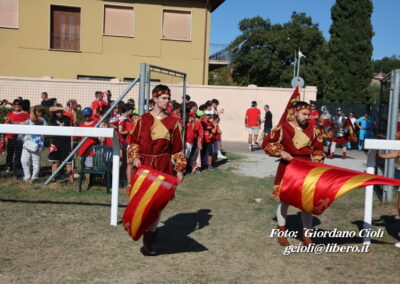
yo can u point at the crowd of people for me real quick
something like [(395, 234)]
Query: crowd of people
[(337, 129), (202, 133)]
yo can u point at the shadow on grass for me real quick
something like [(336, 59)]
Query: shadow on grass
[(58, 202), (173, 236), (389, 222), (294, 223)]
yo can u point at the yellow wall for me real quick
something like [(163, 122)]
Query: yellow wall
[(24, 52)]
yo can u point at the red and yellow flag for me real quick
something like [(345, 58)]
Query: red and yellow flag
[(288, 113), (312, 187), (150, 192)]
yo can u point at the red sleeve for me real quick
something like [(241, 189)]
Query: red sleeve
[(95, 105)]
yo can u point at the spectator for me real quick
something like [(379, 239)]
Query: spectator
[(109, 95), (187, 98), (215, 105), (176, 111), (45, 100), (365, 124), (209, 108), (353, 123), (217, 143), (191, 109), (267, 122), (53, 101), (314, 115), (98, 106), (26, 105), (207, 148), (396, 156), (14, 143), (252, 122), (195, 159), (70, 111), (32, 147), (84, 149), (60, 146), (130, 104), (124, 126)]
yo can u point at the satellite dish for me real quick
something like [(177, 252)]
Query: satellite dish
[(297, 79)]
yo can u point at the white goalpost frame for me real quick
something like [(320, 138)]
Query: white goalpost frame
[(373, 145), (79, 132)]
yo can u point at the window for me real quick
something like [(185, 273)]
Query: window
[(9, 13), (118, 21), (95, 78), (176, 25), (65, 28), (130, 80)]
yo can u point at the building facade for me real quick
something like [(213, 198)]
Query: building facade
[(95, 39)]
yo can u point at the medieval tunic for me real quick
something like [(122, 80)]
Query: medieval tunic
[(305, 144), (157, 143)]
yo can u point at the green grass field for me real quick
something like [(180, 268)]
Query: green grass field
[(213, 231)]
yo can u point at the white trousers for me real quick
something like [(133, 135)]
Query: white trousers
[(30, 159), (281, 214), (154, 226), (333, 147)]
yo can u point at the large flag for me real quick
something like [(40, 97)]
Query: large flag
[(312, 187), (288, 114), (150, 192)]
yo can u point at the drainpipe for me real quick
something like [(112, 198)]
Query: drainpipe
[(205, 67)]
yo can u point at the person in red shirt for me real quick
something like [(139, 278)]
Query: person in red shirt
[(124, 126), (252, 122), (84, 149), (70, 111), (176, 111), (98, 106), (195, 159), (14, 145), (314, 115), (209, 137)]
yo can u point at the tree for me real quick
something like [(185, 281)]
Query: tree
[(264, 53), (386, 64), (350, 51), (221, 77)]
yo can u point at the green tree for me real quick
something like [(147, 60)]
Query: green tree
[(221, 77), (264, 53), (386, 64), (350, 51)]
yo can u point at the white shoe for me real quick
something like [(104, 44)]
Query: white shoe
[(397, 245), (220, 156), (250, 147)]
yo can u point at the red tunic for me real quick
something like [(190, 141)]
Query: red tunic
[(305, 144), (157, 143), (313, 121), (16, 117), (83, 150)]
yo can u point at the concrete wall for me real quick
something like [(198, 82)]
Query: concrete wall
[(25, 50), (234, 100)]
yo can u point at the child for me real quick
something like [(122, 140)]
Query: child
[(84, 149), (60, 146)]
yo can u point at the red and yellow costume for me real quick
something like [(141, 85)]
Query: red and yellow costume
[(157, 143), (304, 144)]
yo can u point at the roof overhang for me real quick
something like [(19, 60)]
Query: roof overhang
[(214, 4)]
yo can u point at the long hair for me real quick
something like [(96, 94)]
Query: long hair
[(34, 116)]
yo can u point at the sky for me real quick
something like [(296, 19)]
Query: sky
[(225, 20)]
